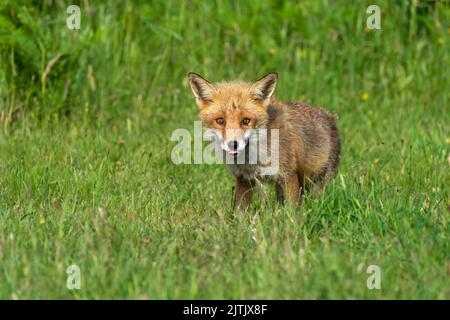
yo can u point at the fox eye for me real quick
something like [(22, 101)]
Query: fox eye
[(220, 121), (246, 121)]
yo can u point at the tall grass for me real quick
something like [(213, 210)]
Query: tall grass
[(85, 170)]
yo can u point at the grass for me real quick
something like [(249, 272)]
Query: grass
[(86, 176)]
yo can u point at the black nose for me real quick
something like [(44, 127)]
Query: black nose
[(233, 145)]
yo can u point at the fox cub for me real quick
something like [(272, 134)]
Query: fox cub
[(308, 139)]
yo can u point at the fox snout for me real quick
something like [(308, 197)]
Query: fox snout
[(235, 140), (233, 145)]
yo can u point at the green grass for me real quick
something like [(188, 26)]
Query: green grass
[(86, 176)]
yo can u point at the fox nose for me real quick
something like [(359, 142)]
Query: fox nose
[(233, 145)]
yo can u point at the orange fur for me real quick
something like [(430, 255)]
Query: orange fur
[(309, 145)]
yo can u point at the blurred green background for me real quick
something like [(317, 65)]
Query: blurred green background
[(85, 171)]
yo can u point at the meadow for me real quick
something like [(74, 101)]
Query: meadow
[(86, 176)]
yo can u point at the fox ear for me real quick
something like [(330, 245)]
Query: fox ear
[(202, 89), (264, 88)]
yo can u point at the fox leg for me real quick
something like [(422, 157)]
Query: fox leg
[(280, 193), (243, 194), (318, 188), (291, 189), (318, 184), (301, 189)]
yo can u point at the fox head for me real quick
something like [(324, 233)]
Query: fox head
[(233, 110)]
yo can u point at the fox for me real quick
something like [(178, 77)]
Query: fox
[(308, 139)]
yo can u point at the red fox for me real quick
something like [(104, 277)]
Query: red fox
[(309, 145)]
